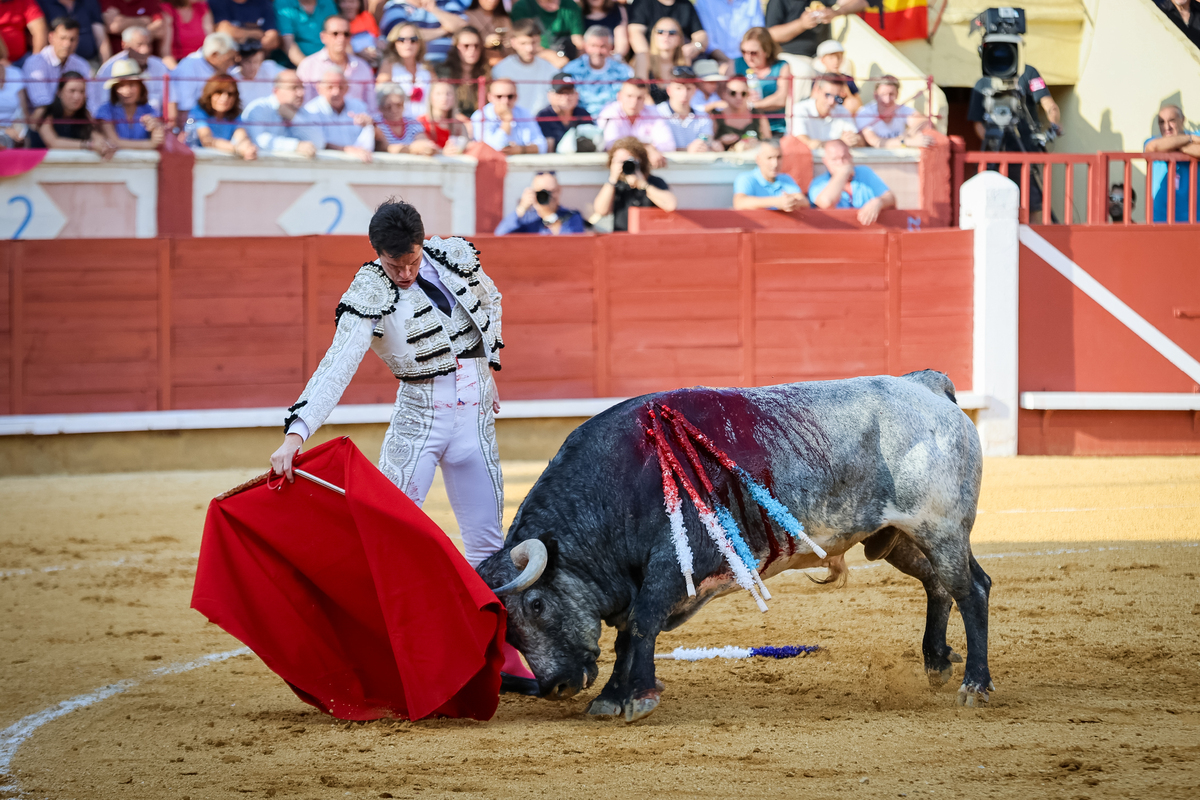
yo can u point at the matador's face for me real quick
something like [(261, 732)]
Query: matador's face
[(402, 269)]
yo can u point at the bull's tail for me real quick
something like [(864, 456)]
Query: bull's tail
[(839, 573), (936, 382)]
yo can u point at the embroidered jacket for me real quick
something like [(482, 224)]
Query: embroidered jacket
[(413, 337)]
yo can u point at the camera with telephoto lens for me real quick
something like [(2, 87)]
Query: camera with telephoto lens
[(543, 197), (1000, 59), (630, 166)]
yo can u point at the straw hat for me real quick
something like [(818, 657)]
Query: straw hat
[(124, 70)]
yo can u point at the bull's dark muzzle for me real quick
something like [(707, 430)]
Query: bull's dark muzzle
[(570, 683)]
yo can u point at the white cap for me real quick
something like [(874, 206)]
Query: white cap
[(829, 46)]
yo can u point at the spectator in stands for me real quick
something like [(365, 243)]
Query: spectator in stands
[(727, 21), (666, 52), (709, 82), (1186, 16), (138, 45), (562, 27), (395, 130), (821, 118), (692, 129), (538, 211), (612, 16), (884, 123), (255, 73), (830, 56), (216, 121), (493, 23), (120, 15), (359, 77), (505, 126), (1173, 138), (531, 73), (65, 123), (630, 184), (14, 109), (300, 25), (765, 186), (93, 39), (598, 75), (437, 21), (738, 126), (465, 62), (217, 57), (560, 119), (128, 119), (278, 124), (768, 77), (364, 30), (799, 28), (403, 65), (844, 185), (186, 24), (247, 20), (44, 68), (345, 121), (18, 17), (443, 125), (644, 16), (630, 116)]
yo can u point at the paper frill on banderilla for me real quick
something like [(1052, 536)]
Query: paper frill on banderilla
[(718, 522)]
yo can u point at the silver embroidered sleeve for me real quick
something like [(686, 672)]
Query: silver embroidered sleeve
[(493, 303), (351, 341)]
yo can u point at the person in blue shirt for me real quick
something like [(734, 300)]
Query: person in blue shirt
[(539, 211), (128, 118), (846, 186), (1173, 138), (438, 21), (765, 186)]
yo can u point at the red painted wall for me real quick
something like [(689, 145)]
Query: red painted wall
[(1068, 343), (133, 325)]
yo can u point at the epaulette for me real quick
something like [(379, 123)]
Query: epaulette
[(371, 294), (455, 254)]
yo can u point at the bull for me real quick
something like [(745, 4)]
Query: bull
[(891, 463)]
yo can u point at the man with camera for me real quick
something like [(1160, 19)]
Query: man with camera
[(539, 212), (1005, 101)]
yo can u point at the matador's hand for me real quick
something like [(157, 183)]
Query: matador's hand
[(281, 459)]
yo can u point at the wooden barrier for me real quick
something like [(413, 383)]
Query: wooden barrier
[(134, 325), (1068, 343)]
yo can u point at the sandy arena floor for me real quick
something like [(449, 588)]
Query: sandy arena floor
[(1094, 649)]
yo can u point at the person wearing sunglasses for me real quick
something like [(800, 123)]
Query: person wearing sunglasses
[(738, 126), (505, 126), (822, 118), (831, 57), (437, 21), (539, 211), (644, 16), (666, 52), (336, 54), (466, 64), (216, 121), (403, 64), (769, 77)]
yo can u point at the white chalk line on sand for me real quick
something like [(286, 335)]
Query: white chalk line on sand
[(1077, 510), (15, 735), (126, 561)]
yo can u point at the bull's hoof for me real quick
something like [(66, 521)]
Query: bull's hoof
[(955, 657), (972, 695), (938, 677), (603, 707), (641, 707)]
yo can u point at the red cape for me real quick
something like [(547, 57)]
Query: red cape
[(361, 603)]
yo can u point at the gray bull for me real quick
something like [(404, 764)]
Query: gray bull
[(891, 463)]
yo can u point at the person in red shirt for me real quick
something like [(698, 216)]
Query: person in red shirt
[(15, 17), (121, 14), (443, 123)]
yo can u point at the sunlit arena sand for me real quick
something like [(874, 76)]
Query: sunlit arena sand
[(1094, 650)]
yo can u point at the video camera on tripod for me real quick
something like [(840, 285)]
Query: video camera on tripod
[(1000, 56)]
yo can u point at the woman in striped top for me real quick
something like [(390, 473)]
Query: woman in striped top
[(395, 131)]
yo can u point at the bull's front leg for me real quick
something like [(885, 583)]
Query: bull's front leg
[(632, 690)]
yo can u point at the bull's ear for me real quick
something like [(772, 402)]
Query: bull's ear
[(551, 553)]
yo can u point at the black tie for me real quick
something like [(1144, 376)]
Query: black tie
[(435, 294)]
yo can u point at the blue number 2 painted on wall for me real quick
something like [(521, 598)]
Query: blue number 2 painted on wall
[(337, 204), (28, 213)]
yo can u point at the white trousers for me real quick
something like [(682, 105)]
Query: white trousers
[(449, 421)]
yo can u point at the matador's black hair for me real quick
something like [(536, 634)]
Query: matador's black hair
[(396, 228)]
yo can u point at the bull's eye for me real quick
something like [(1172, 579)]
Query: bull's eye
[(535, 606)]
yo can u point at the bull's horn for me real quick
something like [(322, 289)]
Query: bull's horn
[(530, 557)]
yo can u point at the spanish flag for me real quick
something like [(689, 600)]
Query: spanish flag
[(899, 19)]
